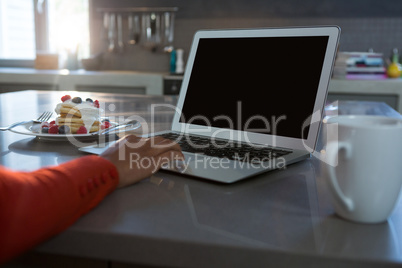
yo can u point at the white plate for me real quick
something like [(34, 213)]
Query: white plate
[(26, 129)]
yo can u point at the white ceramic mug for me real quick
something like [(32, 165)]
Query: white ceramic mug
[(364, 166)]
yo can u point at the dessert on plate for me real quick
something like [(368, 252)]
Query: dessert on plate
[(75, 113), (76, 116)]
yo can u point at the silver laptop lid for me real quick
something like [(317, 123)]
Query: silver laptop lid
[(265, 86)]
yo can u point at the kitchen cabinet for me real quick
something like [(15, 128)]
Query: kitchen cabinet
[(387, 90), (390, 99), (172, 84), (10, 87), (131, 82)]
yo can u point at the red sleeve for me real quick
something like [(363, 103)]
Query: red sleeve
[(37, 205)]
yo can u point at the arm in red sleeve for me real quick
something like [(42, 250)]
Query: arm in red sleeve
[(37, 205)]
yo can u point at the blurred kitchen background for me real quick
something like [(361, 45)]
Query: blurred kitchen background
[(366, 24), (134, 46), (374, 25)]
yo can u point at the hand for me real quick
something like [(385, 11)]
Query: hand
[(137, 158)]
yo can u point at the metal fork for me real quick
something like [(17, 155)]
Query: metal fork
[(42, 118)]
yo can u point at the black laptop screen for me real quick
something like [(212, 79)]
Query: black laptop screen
[(255, 84)]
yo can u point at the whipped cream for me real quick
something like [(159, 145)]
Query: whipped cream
[(89, 113)]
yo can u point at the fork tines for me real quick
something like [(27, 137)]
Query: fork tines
[(44, 116)]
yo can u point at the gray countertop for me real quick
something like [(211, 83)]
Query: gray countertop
[(281, 218)]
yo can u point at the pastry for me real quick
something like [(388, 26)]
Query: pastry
[(81, 117)]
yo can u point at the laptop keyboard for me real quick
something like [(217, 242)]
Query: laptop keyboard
[(232, 150)]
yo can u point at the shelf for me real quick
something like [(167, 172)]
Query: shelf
[(139, 9)]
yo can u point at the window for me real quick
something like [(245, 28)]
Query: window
[(68, 22), (17, 29), (28, 26)]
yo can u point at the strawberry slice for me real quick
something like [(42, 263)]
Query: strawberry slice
[(65, 97)]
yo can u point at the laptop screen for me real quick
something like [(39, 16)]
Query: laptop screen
[(260, 84)]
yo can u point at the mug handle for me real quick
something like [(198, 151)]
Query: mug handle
[(333, 149)]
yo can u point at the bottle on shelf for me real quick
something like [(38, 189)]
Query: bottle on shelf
[(394, 69), (179, 61), (173, 61)]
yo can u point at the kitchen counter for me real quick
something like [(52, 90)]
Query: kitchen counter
[(152, 83), (12, 79), (385, 90), (283, 218)]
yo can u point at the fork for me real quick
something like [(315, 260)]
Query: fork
[(42, 118)]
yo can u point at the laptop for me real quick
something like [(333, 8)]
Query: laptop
[(251, 100)]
